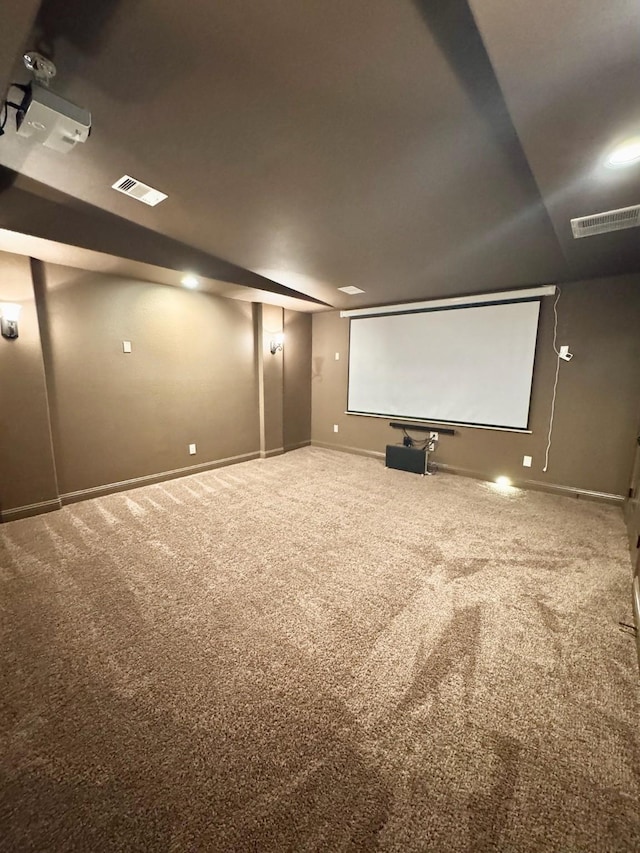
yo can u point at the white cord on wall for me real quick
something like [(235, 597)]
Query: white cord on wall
[(555, 383)]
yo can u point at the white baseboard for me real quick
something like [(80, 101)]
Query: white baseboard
[(534, 485), (150, 479), (289, 447), (356, 451), (539, 486), (267, 454), (27, 511)]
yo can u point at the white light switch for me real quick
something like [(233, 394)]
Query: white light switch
[(126, 346), (192, 449), (335, 427), (337, 356), (526, 461)]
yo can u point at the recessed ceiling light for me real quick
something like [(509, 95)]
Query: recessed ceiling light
[(624, 155), (351, 290), (190, 281)]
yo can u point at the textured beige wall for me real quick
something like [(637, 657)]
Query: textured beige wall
[(193, 375), (272, 377), (297, 378), (27, 474), (596, 410), (189, 378)]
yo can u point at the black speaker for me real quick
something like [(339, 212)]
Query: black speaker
[(412, 459)]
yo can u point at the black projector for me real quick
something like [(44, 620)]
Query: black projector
[(403, 458)]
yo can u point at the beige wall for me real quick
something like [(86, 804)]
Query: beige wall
[(27, 474), (194, 376), (596, 410), (297, 379), (189, 378), (198, 372)]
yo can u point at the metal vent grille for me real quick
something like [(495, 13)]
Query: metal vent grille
[(136, 189), (601, 223)]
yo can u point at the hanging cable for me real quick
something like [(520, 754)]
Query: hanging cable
[(5, 116), (421, 444), (6, 103), (555, 382)]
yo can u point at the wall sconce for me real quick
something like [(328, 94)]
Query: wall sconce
[(9, 313), (276, 343)]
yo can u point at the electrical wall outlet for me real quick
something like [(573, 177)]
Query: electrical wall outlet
[(126, 346), (337, 356), (335, 427), (565, 354), (526, 461), (192, 449), (433, 435)]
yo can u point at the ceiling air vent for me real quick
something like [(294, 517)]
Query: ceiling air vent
[(611, 220), (138, 190)]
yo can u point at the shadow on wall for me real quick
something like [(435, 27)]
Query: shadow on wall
[(318, 363), (85, 25), (70, 31), (38, 210), (38, 276), (7, 179), (454, 29)]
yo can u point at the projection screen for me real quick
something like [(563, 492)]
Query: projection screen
[(466, 365)]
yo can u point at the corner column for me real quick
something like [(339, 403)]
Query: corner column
[(268, 325)]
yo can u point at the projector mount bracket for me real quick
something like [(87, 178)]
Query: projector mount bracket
[(42, 68)]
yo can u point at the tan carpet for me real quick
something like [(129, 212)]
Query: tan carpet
[(312, 653)]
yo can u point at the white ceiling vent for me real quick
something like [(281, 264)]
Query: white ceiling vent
[(611, 220), (351, 290), (138, 190)]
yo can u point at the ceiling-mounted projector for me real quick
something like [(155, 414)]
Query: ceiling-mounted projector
[(52, 120)]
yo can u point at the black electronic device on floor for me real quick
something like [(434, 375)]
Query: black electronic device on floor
[(413, 459)]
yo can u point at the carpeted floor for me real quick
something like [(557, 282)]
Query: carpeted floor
[(315, 653)]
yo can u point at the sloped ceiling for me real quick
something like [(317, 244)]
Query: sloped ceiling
[(412, 149), (570, 74)]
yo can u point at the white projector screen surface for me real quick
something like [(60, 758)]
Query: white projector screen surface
[(469, 365)]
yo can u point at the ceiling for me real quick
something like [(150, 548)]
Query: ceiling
[(410, 148)]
